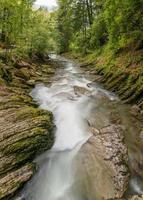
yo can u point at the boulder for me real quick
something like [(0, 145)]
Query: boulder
[(79, 91), (104, 163)]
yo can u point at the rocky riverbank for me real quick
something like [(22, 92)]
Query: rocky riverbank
[(120, 73), (25, 130)]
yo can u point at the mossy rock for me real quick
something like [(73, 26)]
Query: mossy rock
[(31, 112), (23, 73), (24, 99), (2, 82), (5, 74), (48, 69)]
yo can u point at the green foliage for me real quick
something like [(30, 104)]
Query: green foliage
[(79, 26), (25, 30), (89, 25)]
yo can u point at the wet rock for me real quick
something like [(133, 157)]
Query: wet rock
[(65, 96), (115, 118), (19, 198), (136, 197), (81, 91), (104, 161), (137, 112)]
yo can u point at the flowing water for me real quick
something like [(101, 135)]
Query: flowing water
[(56, 178)]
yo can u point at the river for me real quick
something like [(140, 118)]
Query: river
[(56, 178)]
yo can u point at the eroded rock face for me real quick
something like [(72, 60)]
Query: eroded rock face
[(25, 130), (10, 182), (104, 160)]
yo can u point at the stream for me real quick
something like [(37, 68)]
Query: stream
[(56, 178)]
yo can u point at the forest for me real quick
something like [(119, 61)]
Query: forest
[(25, 30), (91, 26), (71, 100), (84, 26)]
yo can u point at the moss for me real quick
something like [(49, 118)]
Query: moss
[(21, 98), (38, 115), (5, 74), (23, 73), (27, 112), (48, 69), (38, 141), (2, 81), (33, 128)]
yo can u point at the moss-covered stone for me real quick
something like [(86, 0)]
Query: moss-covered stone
[(5, 73), (26, 130), (23, 73)]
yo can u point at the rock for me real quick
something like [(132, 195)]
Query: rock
[(21, 63), (14, 180), (31, 83), (141, 134), (137, 112), (136, 197), (65, 96), (19, 198), (79, 91), (22, 73), (115, 118), (25, 130), (104, 163), (47, 69)]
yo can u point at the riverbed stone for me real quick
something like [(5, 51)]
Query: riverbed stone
[(79, 91), (104, 163)]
